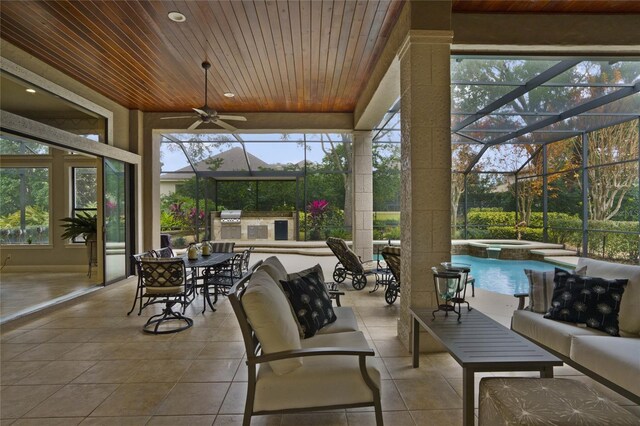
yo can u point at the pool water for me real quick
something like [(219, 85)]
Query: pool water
[(501, 276)]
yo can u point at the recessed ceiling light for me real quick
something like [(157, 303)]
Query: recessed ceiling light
[(31, 90), (176, 17), (229, 94)]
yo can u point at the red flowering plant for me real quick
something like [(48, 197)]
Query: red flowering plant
[(187, 217), (317, 210)]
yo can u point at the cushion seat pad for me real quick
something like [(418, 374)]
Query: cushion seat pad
[(321, 381), (615, 358), (346, 321), (552, 334)]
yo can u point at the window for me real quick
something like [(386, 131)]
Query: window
[(84, 193), (24, 205)]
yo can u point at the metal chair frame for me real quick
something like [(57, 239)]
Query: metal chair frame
[(349, 264), (392, 256), (173, 271)]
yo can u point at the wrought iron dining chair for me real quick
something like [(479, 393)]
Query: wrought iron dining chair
[(391, 256), (350, 265), (163, 253), (136, 258), (222, 246), (164, 281)]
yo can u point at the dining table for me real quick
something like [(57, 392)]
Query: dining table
[(209, 265)]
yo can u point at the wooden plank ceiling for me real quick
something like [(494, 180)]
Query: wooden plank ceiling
[(546, 6), (296, 55), (302, 56)]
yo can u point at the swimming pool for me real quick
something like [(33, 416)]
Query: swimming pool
[(501, 276)]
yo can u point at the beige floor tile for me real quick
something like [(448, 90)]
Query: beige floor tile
[(165, 371), (383, 333), (242, 375), (62, 421), (214, 350), (432, 393), (37, 336), (437, 417), (402, 368), (236, 420), (211, 370), (193, 398), (86, 322), (7, 422), (115, 421), (390, 348), (391, 398), (93, 351), (234, 401), (391, 418), (15, 401), (135, 399), (315, 419), (57, 372), (181, 421), (76, 335), (12, 372), (8, 351), (73, 401), (48, 351), (109, 372)]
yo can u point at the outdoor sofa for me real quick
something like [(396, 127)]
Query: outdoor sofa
[(613, 361)]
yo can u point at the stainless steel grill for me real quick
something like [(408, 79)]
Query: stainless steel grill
[(230, 216)]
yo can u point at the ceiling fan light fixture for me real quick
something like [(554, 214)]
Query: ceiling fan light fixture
[(229, 94), (31, 90), (176, 16)]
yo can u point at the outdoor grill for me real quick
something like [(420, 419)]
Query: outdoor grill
[(230, 216)]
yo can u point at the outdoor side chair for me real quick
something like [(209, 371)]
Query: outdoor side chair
[(223, 247), (165, 281), (391, 255), (350, 265)]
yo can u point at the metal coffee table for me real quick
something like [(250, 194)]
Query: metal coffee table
[(480, 344)]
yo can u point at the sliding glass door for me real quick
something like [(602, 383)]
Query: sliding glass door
[(116, 219)]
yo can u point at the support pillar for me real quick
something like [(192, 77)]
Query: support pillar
[(426, 168), (362, 184)]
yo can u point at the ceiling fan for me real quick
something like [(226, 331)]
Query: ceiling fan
[(207, 114)]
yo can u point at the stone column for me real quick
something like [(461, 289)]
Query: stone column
[(362, 184), (426, 169)]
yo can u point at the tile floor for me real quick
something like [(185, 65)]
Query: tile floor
[(89, 363)]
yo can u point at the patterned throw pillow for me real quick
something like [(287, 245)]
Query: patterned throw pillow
[(588, 300), (317, 269), (541, 285), (310, 301)]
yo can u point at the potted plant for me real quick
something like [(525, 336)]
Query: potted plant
[(84, 224)]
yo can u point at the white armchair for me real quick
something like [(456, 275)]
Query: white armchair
[(287, 374)]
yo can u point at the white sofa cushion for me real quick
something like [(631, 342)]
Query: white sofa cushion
[(274, 268), (321, 381), (553, 334), (615, 358), (629, 317), (269, 313), (346, 321)]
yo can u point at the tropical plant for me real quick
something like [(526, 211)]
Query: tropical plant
[(83, 224)]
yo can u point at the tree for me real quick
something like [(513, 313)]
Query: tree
[(608, 186), (386, 176), (461, 157)]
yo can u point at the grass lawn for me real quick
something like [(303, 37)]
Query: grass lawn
[(386, 215)]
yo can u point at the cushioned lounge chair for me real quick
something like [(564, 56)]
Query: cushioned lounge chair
[(350, 265)]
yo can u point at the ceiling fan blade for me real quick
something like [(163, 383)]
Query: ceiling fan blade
[(200, 111), (195, 125), (232, 117), (176, 117), (225, 125)]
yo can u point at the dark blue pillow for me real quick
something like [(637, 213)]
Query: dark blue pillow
[(310, 302), (587, 300)]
